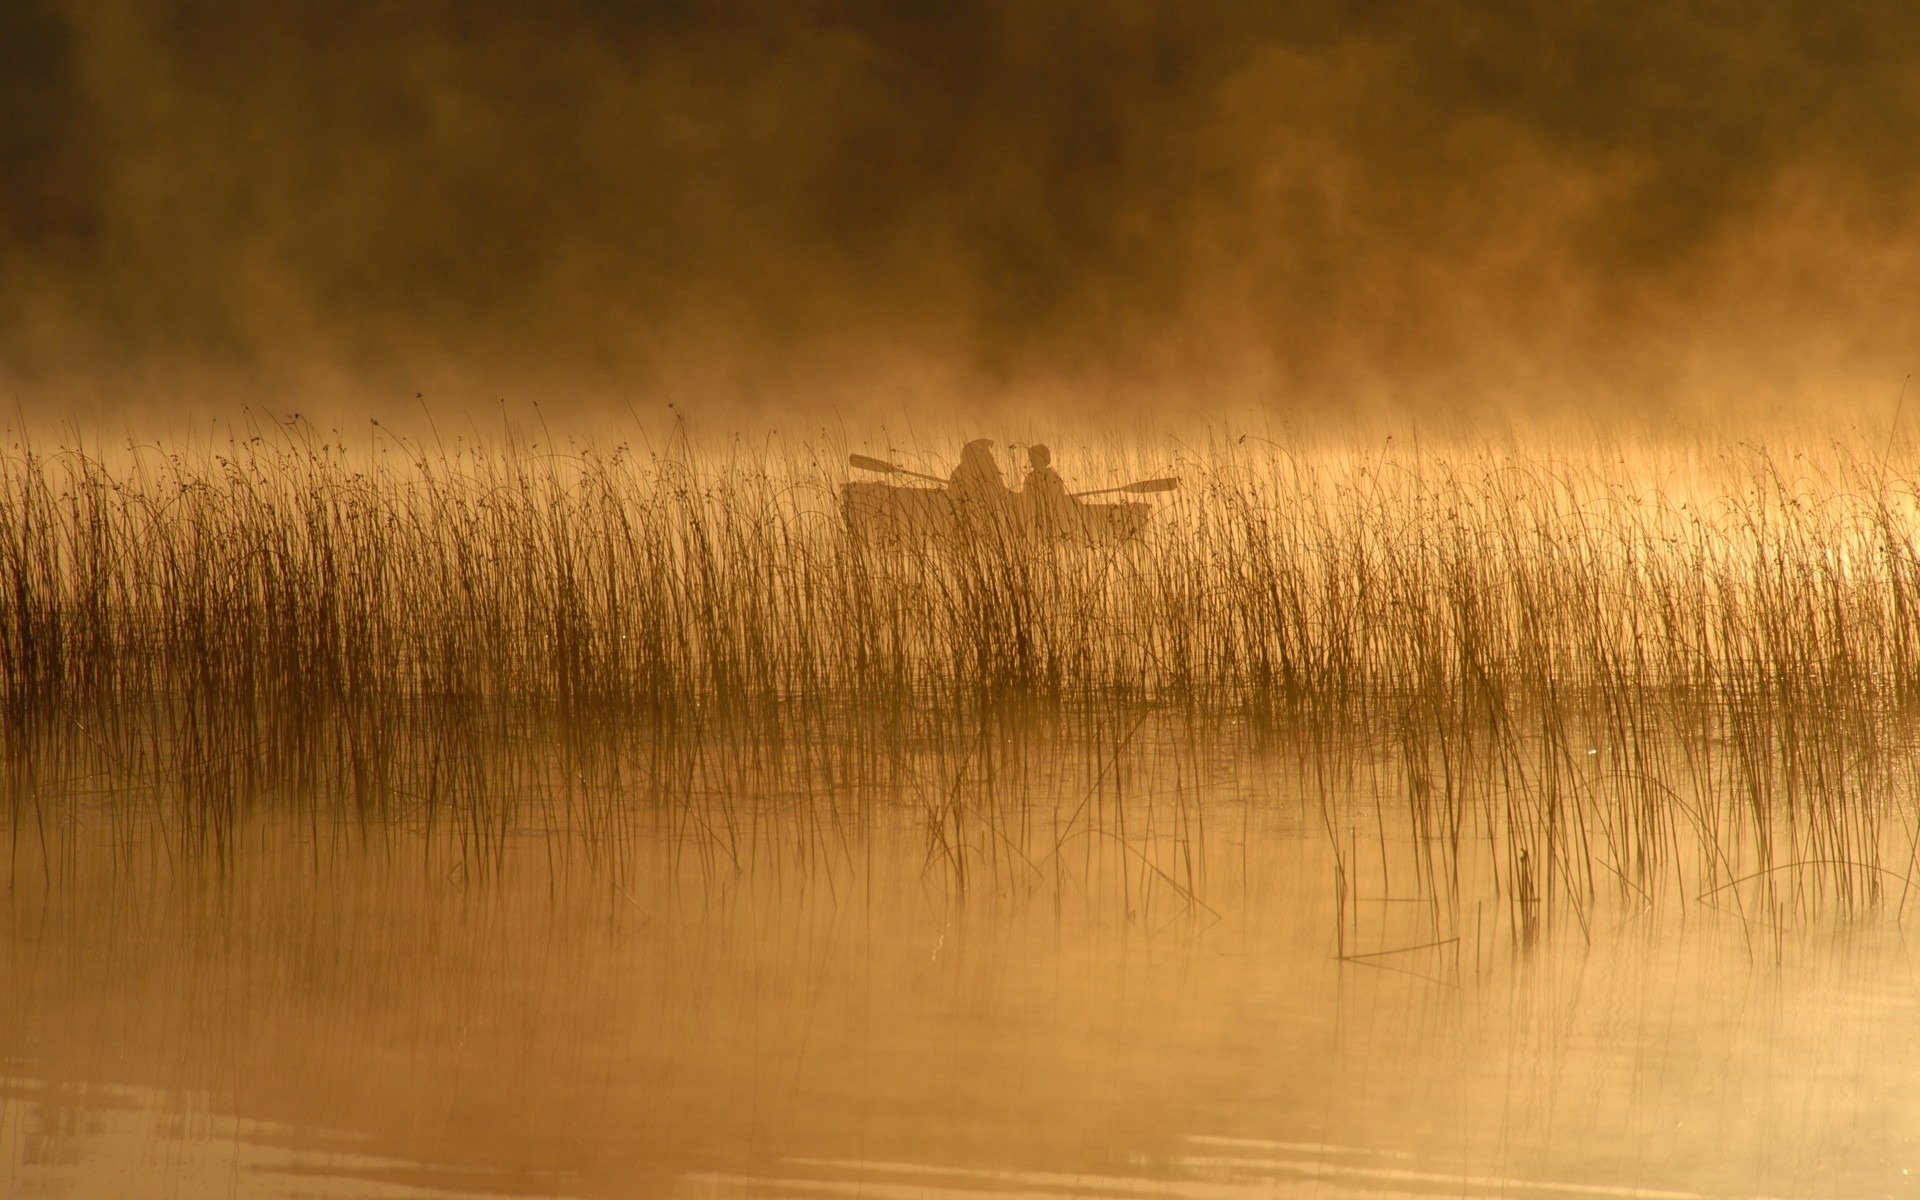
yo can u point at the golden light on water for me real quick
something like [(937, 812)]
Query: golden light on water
[(751, 601)]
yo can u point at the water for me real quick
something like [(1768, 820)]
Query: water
[(1132, 971)]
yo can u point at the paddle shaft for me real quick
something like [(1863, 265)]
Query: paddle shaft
[(887, 468), (1145, 485)]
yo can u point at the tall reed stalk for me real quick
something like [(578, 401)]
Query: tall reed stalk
[(1611, 673)]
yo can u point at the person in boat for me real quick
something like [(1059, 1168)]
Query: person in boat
[(977, 479), (1045, 492)]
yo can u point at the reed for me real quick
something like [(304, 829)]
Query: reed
[(1573, 675)]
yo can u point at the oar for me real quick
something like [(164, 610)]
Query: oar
[(1145, 485), (887, 468)]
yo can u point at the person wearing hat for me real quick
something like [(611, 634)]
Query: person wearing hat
[(977, 479)]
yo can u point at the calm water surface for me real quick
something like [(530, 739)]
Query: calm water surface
[(1160, 994)]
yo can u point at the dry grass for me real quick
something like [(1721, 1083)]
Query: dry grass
[(1581, 679)]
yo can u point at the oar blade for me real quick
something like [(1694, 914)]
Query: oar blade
[(886, 468)]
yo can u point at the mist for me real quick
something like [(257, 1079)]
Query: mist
[(764, 210)]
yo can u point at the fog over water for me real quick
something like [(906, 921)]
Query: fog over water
[(504, 690), (759, 210)]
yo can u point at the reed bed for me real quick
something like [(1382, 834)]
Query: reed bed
[(1593, 676)]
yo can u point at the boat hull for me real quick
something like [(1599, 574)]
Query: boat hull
[(886, 514)]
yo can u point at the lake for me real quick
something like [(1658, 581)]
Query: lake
[(1146, 956)]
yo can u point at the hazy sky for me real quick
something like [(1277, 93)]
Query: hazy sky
[(769, 206)]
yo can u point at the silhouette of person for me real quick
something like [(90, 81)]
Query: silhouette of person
[(978, 477), (1045, 491)]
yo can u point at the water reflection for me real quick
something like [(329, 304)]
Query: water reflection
[(1176, 962), (1223, 1168), (63, 1139)]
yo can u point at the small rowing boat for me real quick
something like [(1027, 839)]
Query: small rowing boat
[(888, 514)]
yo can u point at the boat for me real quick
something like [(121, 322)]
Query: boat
[(889, 514)]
